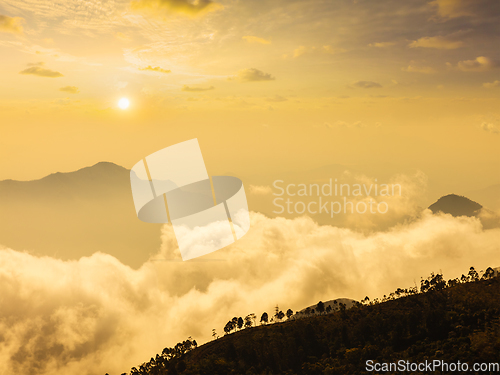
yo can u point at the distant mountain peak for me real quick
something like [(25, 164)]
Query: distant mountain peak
[(106, 164), (456, 205)]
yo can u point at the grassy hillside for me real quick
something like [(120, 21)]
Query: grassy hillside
[(451, 321)]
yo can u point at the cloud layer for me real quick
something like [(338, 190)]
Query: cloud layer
[(96, 315)]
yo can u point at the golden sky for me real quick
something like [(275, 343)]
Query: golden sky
[(294, 85), (403, 91)]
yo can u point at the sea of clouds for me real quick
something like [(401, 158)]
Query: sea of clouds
[(96, 315)]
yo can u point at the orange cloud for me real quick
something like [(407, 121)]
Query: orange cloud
[(437, 42), (253, 75), (156, 69), (70, 89), (187, 7), (11, 24), (41, 72)]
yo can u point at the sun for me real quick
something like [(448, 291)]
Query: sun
[(123, 103)]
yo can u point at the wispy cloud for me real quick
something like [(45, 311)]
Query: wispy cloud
[(381, 44), (122, 36), (253, 75), (156, 69), (489, 85), (464, 8), (367, 85), (436, 42), (479, 64), (343, 124), (70, 89), (187, 7), (197, 89), (255, 39), (419, 69), (41, 72), (327, 49), (490, 128), (11, 24), (277, 99), (260, 190)]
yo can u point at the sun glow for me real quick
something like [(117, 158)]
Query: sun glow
[(123, 103)]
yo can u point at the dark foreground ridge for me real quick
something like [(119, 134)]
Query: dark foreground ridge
[(450, 321)]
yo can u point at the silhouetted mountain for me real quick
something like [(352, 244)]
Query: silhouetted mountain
[(449, 321), (75, 214), (456, 205)]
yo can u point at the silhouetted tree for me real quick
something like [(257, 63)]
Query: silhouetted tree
[(320, 307), (229, 327), (240, 322), (280, 315), (473, 275), (328, 309), (264, 318), (289, 313), (254, 318), (248, 321), (489, 274), (214, 334)]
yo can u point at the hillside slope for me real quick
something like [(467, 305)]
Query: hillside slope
[(458, 320)]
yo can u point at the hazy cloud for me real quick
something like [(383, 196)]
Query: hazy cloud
[(253, 75), (189, 7), (489, 85), (11, 24), (381, 44), (344, 124), (197, 89), (70, 89), (328, 49), (437, 42), (367, 84), (255, 39), (479, 64), (123, 37), (419, 69), (490, 128), (260, 190), (41, 72), (156, 69), (277, 99), (464, 8), (331, 49)]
